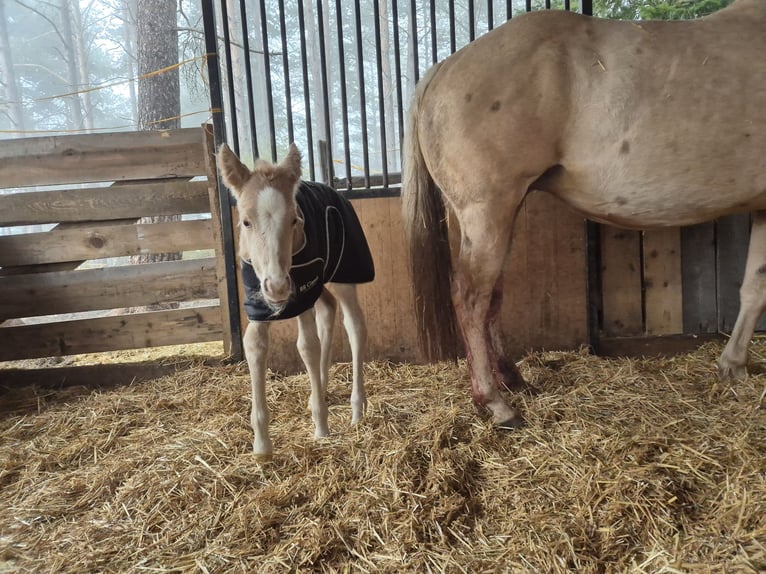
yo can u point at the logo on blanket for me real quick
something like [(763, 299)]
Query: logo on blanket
[(306, 286)]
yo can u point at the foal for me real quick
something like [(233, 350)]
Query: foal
[(295, 237)]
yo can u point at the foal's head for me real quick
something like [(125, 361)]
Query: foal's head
[(270, 223)]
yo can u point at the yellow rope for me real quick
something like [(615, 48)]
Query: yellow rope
[(111, 84), (210, 111)]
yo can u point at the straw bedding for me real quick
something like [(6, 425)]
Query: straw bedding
[(625, 466)]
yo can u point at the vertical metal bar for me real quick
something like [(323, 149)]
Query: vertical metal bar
[(230, 78), (452, 43), (529, 5), (267, 72), (398, 67), (362, 95), (224, 200), (414, 38), (325, 92), (286, 73), (471, 21), (306, 91), (248, 80), (432, 8), (490, 14), (508, 9), (343, 91), (567, 5), (547, 4), (381, 97), (586, 7)]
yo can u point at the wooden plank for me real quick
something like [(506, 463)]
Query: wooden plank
[(621, 281), (556, 273), (655, 346), (101, 241), (119, 156), (90, 376), (663, 301), (404, 345), (107, 288), (387, 302), (732, 238), (155, 329), (169, 197), (517, 311), (698, 274)]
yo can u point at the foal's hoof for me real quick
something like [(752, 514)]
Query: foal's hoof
[(731, 372), (514, 423), (264, 456)]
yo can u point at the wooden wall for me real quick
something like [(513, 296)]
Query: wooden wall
[(668, 282), (49, 273), (545, 295)]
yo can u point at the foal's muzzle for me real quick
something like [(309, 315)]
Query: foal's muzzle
[(277, 291)]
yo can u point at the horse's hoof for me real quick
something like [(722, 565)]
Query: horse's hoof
[(510, 376), (511, 424)]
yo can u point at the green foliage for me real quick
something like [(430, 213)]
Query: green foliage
[(656, 9)]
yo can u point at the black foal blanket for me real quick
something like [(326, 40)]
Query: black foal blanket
[(335, 250)]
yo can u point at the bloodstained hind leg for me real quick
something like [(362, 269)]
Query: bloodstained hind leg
[(478, 271), (506, 373)]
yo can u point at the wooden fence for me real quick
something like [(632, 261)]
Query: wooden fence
[(57, 295)]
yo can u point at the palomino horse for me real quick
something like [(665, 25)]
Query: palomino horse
[(295, 237), (635, 124)]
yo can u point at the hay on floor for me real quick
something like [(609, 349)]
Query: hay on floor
[(624, 466)]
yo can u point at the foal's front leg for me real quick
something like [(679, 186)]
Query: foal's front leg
[(310, 350), (256, 343)]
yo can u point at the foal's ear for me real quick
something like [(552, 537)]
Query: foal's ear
[(292, 163), (233, 171)]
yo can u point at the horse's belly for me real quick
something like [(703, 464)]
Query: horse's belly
[(661, 204)]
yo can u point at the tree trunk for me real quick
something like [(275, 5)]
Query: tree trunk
[(81, 65), (159, 95), (67, 36), (8, 77), (131, 43), (392, 153)]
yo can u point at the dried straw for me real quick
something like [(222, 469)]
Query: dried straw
[(625, 466)]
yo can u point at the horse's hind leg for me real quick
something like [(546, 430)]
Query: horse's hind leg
[(485, 239), (752, 296), (310, 350), (326, 308), (507, 373), (356, 327)]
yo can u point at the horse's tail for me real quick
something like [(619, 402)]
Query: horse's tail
[(425, 224)]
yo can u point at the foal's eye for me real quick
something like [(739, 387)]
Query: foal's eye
[(246, 223), (295, 222)]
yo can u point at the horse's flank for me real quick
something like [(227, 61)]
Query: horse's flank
[(637, 124)]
